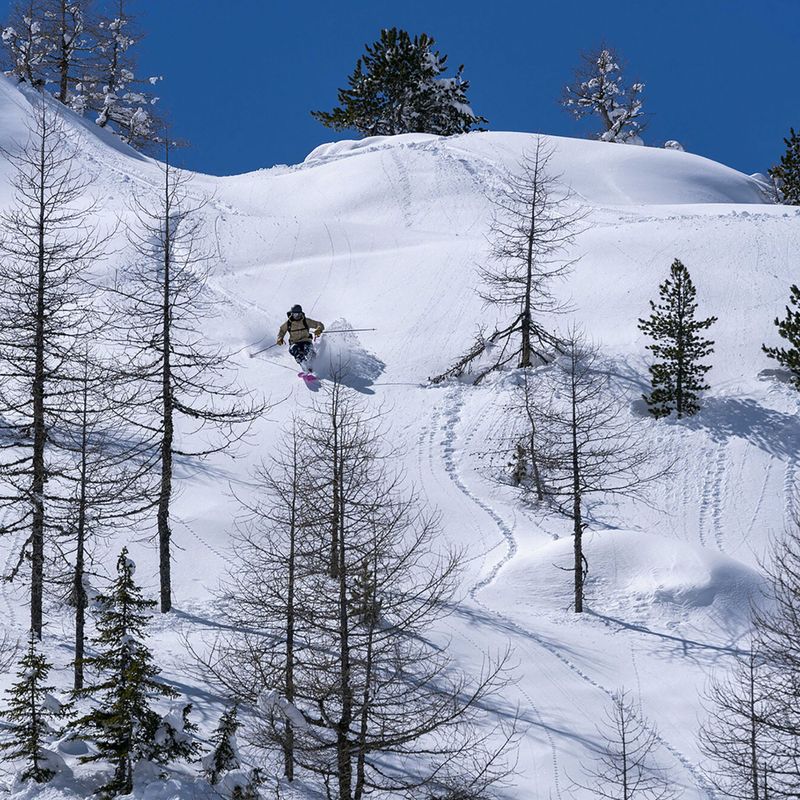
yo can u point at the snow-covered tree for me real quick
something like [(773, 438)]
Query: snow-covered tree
[(677, 376), (599, 90), (48, 43), (789, 329), (25, 42), (65, 26), (174, 739), (787, 174), (123, 726), (30, 708), (88, 60), (398, 87), (114, 91), (224, 756)]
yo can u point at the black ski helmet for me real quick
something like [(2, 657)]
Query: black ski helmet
[(295, 309)]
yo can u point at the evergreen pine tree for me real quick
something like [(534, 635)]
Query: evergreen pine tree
[(787, 173), (397, 87), (28, 712), (249, 790), (174, 739), (123, 726), (225, 756), (789, 329), (677, 376)]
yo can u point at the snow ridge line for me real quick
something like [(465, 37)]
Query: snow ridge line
[(453, 416)]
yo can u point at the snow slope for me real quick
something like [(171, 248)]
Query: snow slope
[(387, 233)]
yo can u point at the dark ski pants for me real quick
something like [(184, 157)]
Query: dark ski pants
[(301, 351)]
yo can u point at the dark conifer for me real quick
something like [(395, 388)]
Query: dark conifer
[(677, 376), (789, 329), (397, 87), (123, 726), (224, 757), (787, 174), (28, 712)]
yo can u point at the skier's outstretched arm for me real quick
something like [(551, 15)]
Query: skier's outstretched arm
[(282, 332), (318, 327)]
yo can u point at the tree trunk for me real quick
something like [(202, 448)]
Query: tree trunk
[(343, 749), (337, 488), (167, 411), (64, 56), (753, 728), (288, 747), (576, 500), (366, 700), (38, 477), (79, 591), (623, 736), (525, 357)]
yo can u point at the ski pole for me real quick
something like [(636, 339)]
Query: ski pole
[(262, 350), (349, 330)]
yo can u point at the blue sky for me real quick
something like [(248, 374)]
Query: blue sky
[(242, 76)]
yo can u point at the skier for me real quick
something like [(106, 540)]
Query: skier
[(298, 326)]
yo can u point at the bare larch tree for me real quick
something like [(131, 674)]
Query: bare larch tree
[(45, 248), (374, 707), (175, 375), (777, 638), (588, 445), (734, 734), (533, 227), (108, 485), (627, 767)]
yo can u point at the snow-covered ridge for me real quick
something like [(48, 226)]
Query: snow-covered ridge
[(597, 172)]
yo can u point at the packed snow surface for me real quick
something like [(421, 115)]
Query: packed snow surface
[(387, 233)]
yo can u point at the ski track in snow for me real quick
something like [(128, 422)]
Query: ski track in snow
[(453, 403), (452, 417), (790, 488), (718, 487), (756, 512)]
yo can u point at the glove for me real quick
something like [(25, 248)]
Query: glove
[(317, 336), (280, 342)]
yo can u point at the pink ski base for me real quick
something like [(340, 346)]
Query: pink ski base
[(308, 377)]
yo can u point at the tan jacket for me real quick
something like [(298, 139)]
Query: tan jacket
[(299, 329)]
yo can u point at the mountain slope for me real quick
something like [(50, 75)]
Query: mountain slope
[(387, 233)]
